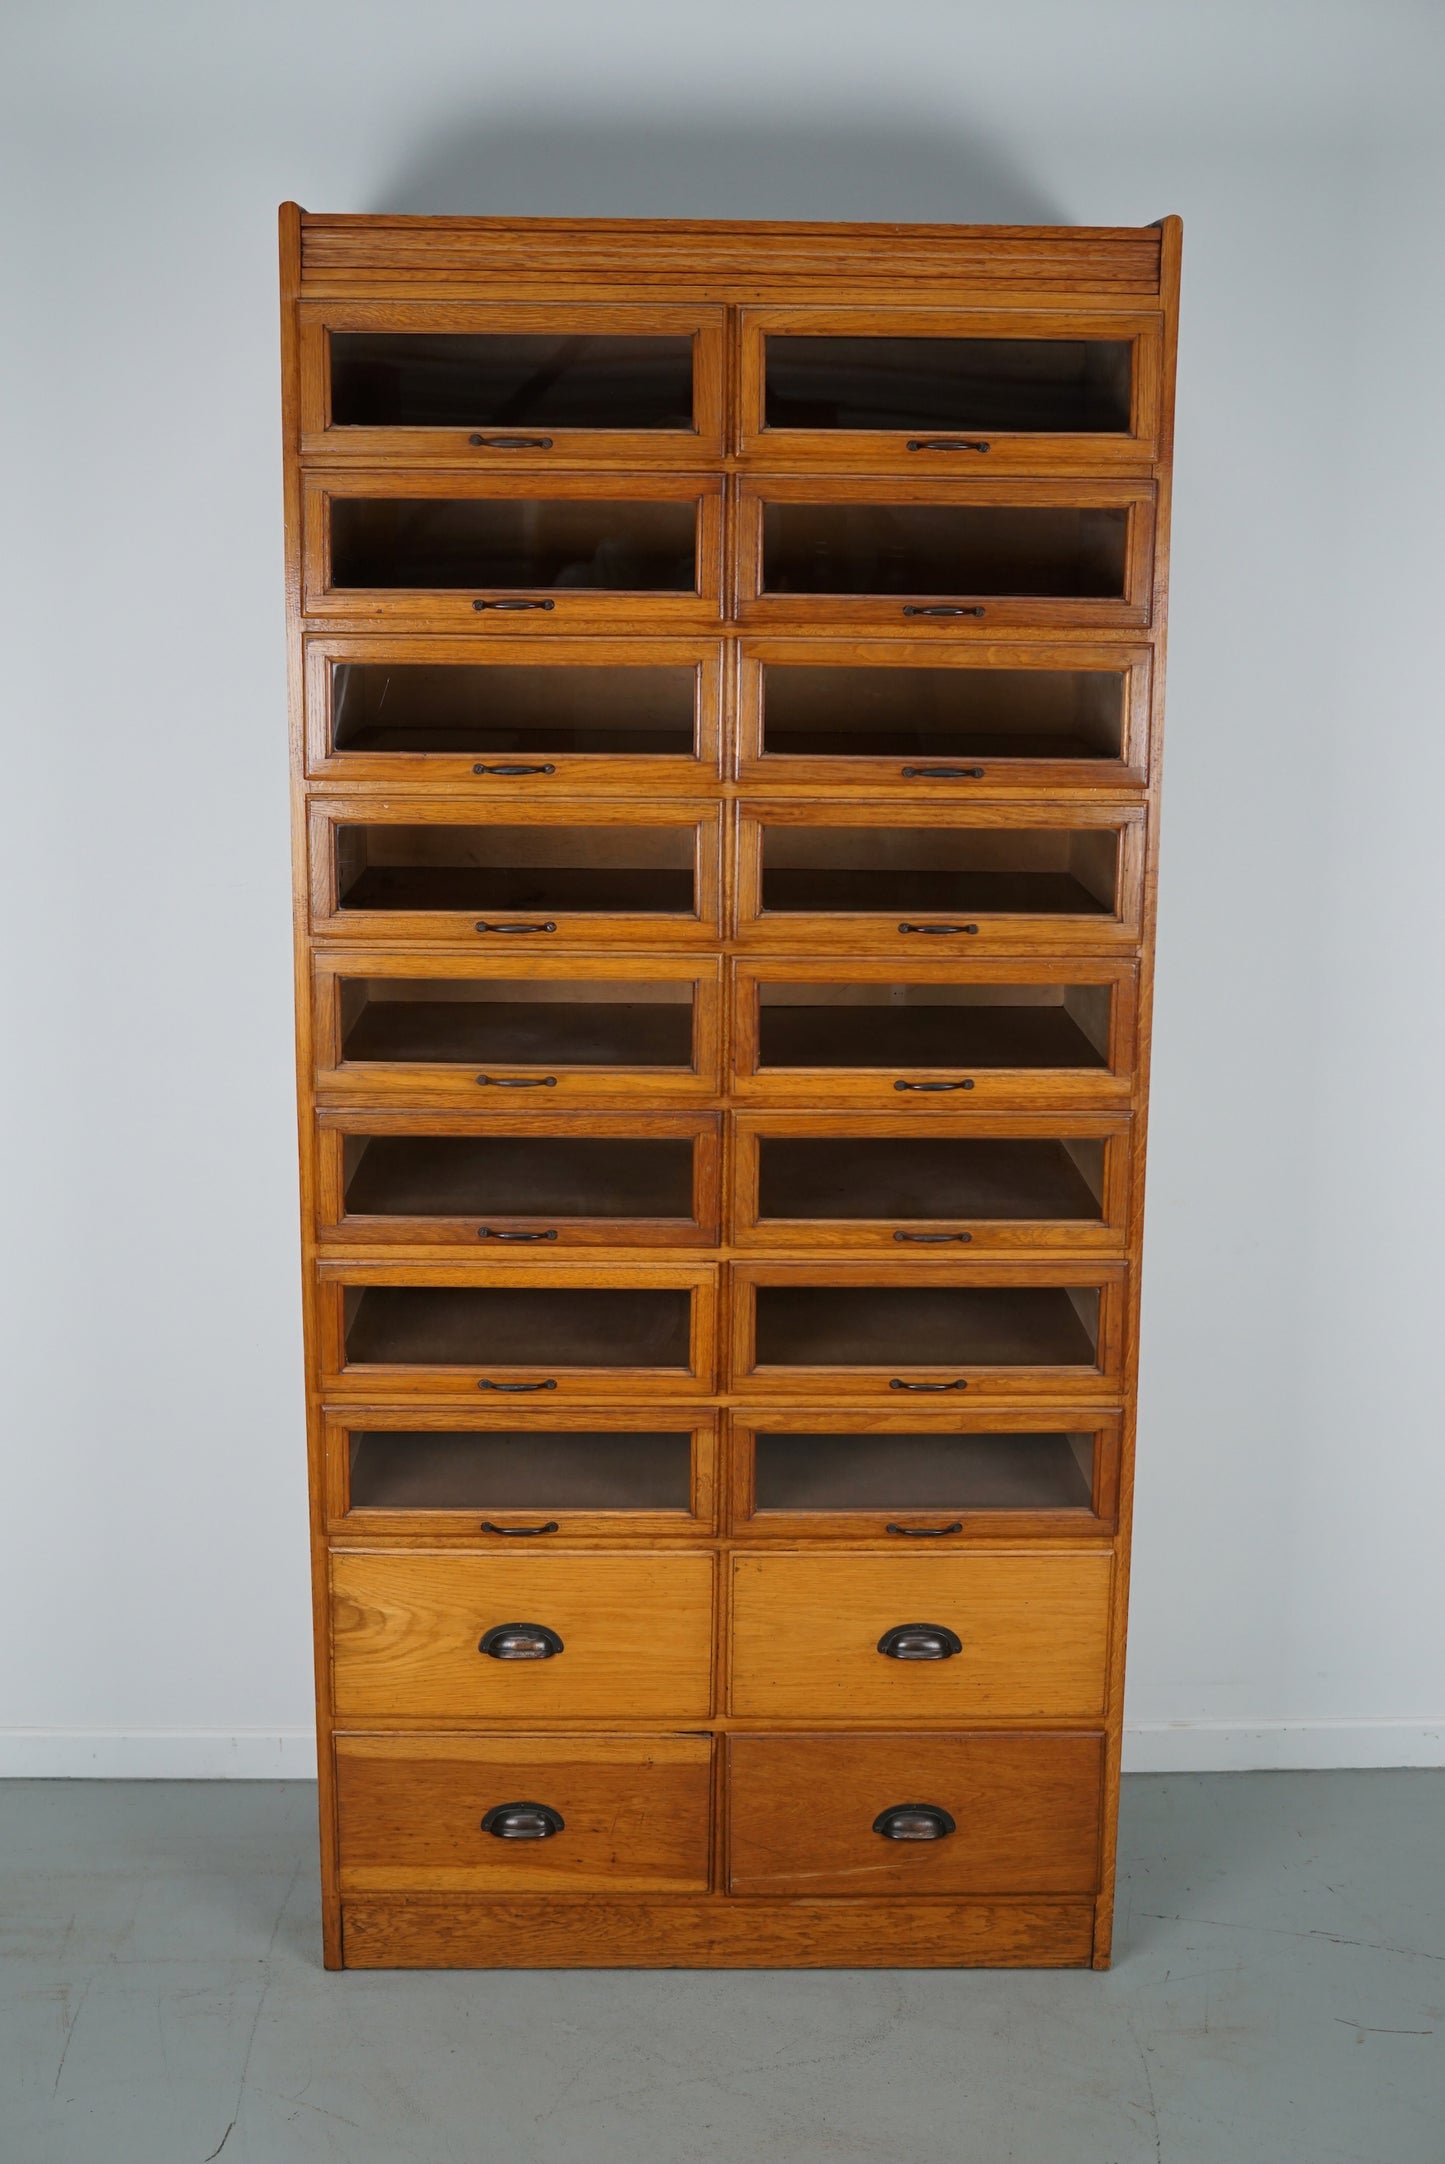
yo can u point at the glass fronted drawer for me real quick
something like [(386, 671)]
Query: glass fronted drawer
[(944, 722), (829, 1331), (1041, 393), (492, 1478), (909, 1476), (517, 1333), (944, 556), (525, 1179), (513, 552), (491, 385), (957, 1037), (515, 718), (982, 1182), (997, 877), (514, 1029), (559, 875)]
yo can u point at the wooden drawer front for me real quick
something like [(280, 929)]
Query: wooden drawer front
[(510, 1333), (999, 878), (494, 387), (942, 559), (926, 1332), (514, 720), (514, 1031), (502, 1477), (943, 723), (554, 875), (513, 1179), (804, 1814), (899, 1186), (912, 1480), (1033, 1631), (933, 1035), (950, 390), (634, 1814), (535, 552), (635, 1633)]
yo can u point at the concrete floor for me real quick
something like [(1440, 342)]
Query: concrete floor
[(1279, 1998)]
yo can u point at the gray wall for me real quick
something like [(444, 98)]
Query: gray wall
[(153, 1605)]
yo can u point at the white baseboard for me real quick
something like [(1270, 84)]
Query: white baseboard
[(1244, 1746)]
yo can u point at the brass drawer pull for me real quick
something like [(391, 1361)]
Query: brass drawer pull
[(524, 1081), (485, 1384), (915, 1822), (486, 1232), (920, 1642), (929, 931), (934, 1239), (518, 443), (539, 1822), (524, 1532), (484, 926), (910, 608), (933, 1085), (936, 443), (520, 1642), (530, 605), (925, 1532), (910, 773), (897, 1383), (510, 771)]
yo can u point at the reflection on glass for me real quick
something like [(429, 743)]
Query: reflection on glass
[(552, 1176), (507, 1022), (959, 1026), (548, 543), (489, 708), (1008, 870), (1067, 386), (536, 1469), (1047, 551), (942, 713), (928, 1471), (635, 870), (508, 380)]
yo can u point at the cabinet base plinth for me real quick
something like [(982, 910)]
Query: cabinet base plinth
[(716, 1933)]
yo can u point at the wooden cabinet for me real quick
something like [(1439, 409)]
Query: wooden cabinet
[(726, 688)]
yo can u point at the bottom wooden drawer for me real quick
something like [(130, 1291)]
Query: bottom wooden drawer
[(624, 1814), (991, 1814)]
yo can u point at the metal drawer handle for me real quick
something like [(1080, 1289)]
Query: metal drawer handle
[(539, 1822), (897, 1383), (915, 1822), (486, 1232), (484, 926), (910, 773), (936, 443), (509, 771), (934, 1239), (520, 1081), (920, 1642), (521, 1532), (514, 443), (933, 1085), (930, 931), (520, 1642), (484, 1384), (530, 605), (925, 1532), (910, 608)]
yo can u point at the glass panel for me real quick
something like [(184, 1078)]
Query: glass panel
[(860, 1176), (1068, 386), (437, 541), (443, 379), (470, 1326), (516, 1176), (1047, 1471), (1044, 871), (598, 868), (928, 1025), (943, 713), (824, 1326), (378, 706), (404, 1469), (915, 548), (478, 1021)]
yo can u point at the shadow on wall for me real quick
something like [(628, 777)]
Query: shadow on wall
[(843, 169)]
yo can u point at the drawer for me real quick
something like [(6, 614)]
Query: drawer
[(519, 1179), (488, 386), (523, 1814), (860, 1182), (512, 720), (831, 1332), (517, 1330), (934, 1035), (512, 1029), (997, 878), (492, 1478), (1029, 1633), (896, 718), (542, 552), (928, 558), (904, 1476), (914, 1814), (595, 1637), (554, 875), (951, 389)]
